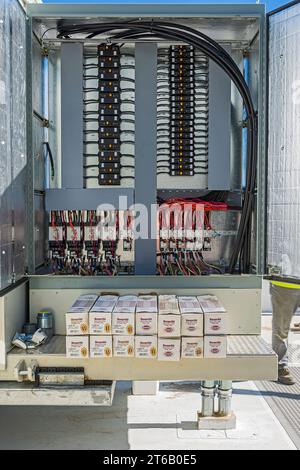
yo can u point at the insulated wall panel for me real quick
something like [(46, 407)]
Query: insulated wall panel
[(284, 142), (12, 140)]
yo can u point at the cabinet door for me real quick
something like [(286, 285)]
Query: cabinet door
[(283, 224), (12, 140)]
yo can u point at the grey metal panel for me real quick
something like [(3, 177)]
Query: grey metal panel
[(72, 115), (145, 149), (30, 252), (13, 140), (146, 282), (87, 199), (219, 128), (38, 154), (121, 9), (5, 149), (37, 76), (18, 134), (54, 114), (284, 142), (262, 157), (37, 104), (39, 228), (236, 128)]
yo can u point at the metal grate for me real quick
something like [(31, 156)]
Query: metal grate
[(248, 345), (284, 401)]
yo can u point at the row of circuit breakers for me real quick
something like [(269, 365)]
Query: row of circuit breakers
[(182, 112)]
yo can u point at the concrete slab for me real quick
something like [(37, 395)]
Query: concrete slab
[(165, 421), (171, 422)]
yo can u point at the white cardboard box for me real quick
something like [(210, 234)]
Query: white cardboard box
[(146, 323), (169, 326), (192, 347), (215, 346), (146, 347), (189, 304), (192, 324), (168, 304), (215, 323), (77, 324), (123, 323), (83, 303), (105, 303), (126, 304), (99, 323), (210, 304), (101, 346), (146, 304), (77, 347), (168, 349), (123, 346)]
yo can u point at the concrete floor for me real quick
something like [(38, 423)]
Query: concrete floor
[(164, 421)]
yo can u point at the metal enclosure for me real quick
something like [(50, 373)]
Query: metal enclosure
[(237, 27)]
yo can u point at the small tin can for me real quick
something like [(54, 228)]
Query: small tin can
[(45, 322)]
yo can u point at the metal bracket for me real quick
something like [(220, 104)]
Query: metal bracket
[(23, 372)]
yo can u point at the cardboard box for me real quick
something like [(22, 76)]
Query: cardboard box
[(101, 346), (123, 323), (169, 326), (168, 304), (105, 303), (146, 347), (77, 324), (192, 324), (126, 304), (192, 347), (168, 349), (99, 323), (210, 304), (146, 323), (189, 304), (77, 347), (123, 346), (215, 323), (146, 304), (215, 346), (83, 304)]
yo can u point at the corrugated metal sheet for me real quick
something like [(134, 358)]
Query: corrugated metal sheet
[(284, 142), (12, 139)]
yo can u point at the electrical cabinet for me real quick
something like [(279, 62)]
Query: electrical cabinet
[(174, 122)]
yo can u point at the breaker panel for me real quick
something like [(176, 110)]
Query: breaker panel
[(179, 139)]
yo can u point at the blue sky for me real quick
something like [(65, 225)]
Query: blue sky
[(271, 4)]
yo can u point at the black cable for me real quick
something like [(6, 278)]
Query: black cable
[(49, 153)]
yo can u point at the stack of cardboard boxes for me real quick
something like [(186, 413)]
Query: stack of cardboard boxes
[(166, 327), (191, 327), (215, 326), (77, 327), (169, 328)]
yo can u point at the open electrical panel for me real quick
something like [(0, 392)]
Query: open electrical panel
[(156, 110)]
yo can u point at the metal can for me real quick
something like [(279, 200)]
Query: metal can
[(45, 322)]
